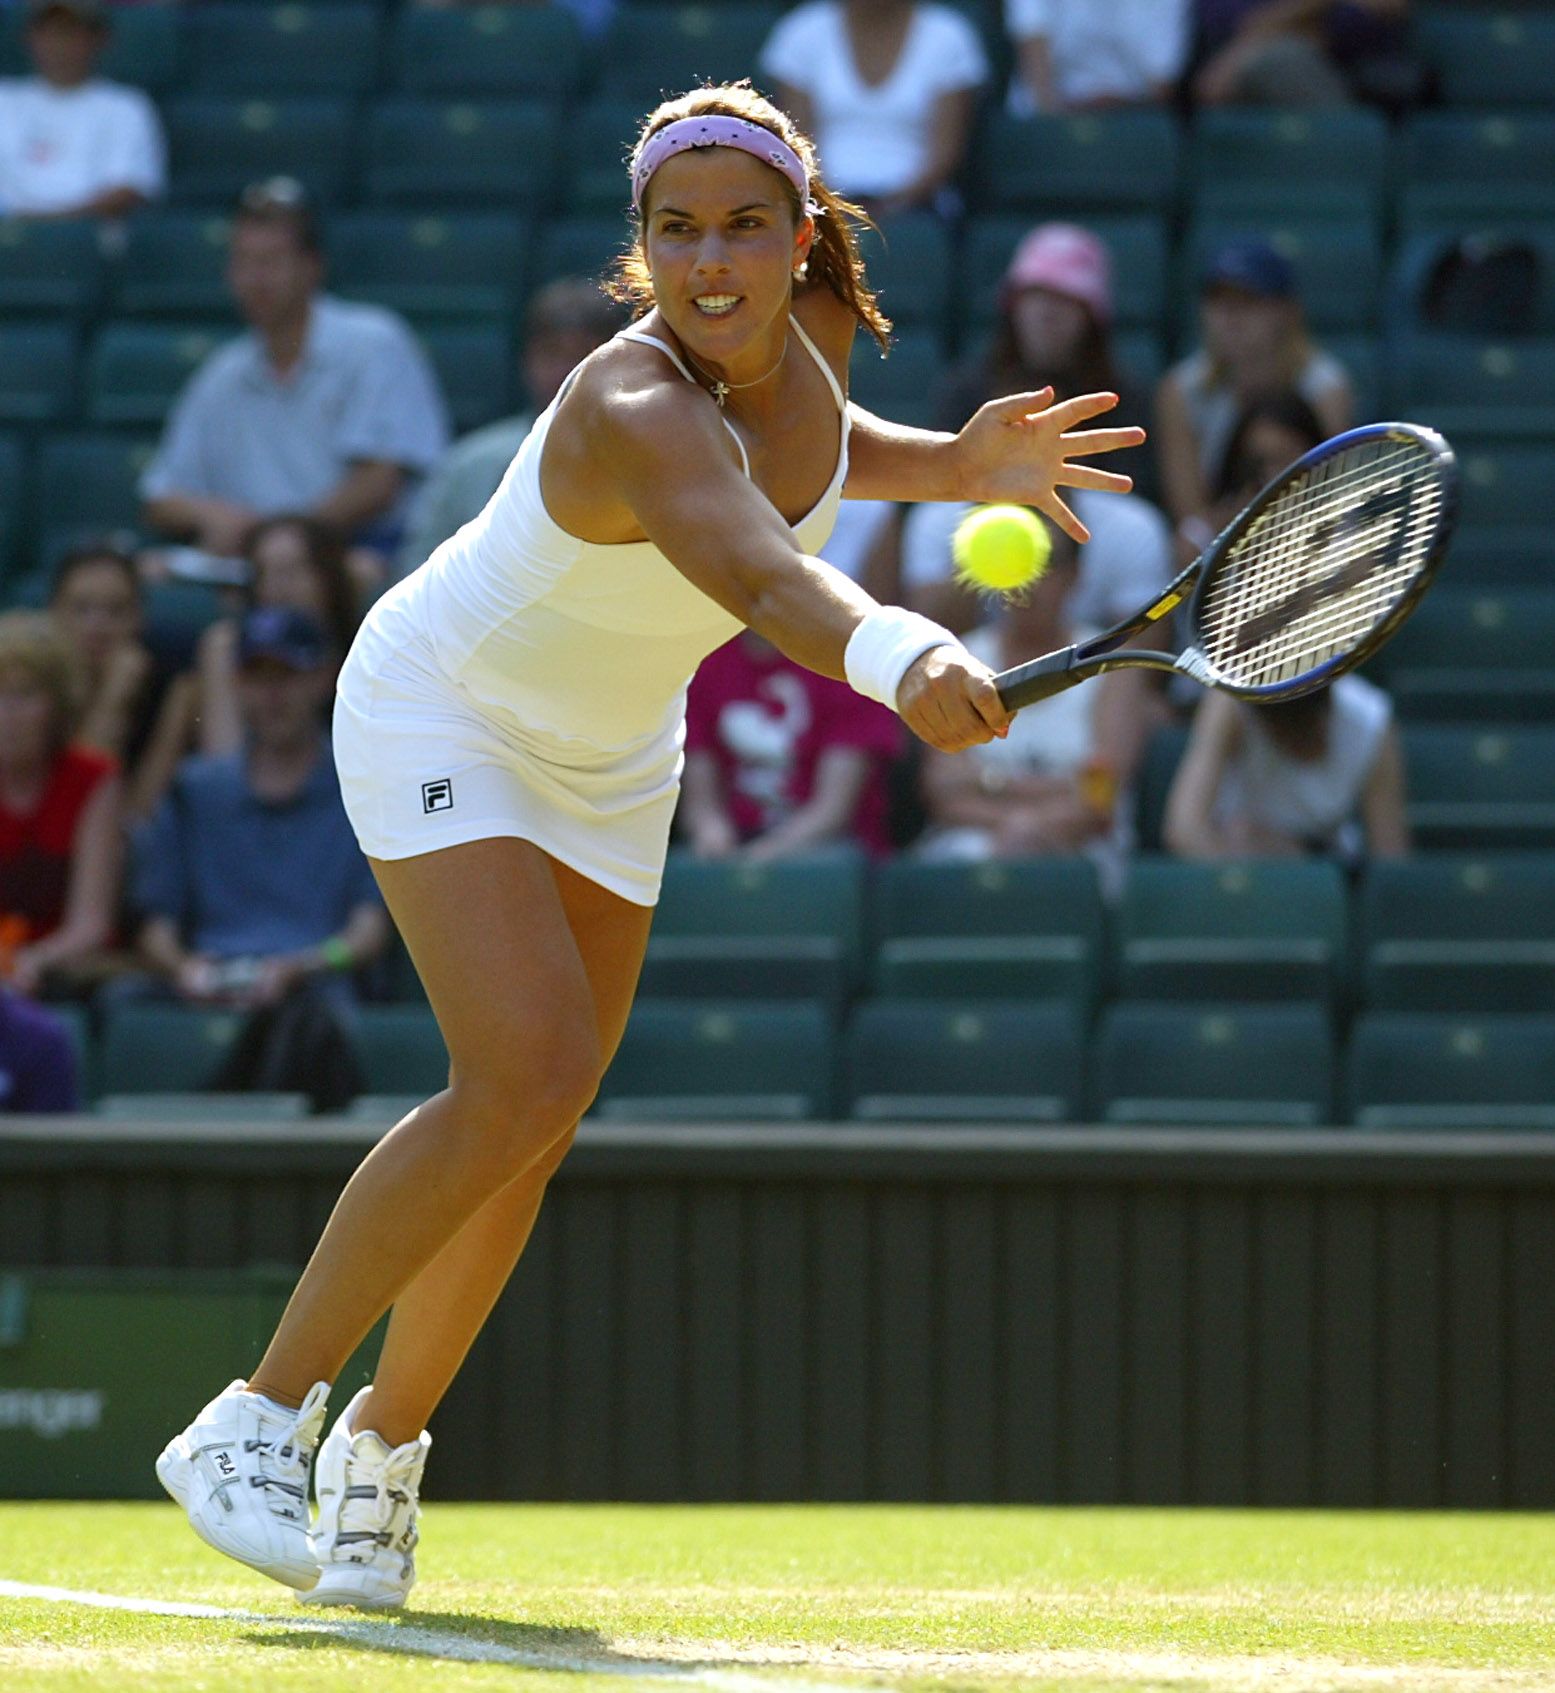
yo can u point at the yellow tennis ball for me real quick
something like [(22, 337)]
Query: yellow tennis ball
[(1001, 549)]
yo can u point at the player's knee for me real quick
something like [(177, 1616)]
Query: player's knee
[(523, 1100)]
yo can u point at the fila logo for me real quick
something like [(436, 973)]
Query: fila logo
[(438, 795), (225, 1464)]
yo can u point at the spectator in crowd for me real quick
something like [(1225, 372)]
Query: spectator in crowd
[(887, 88), (248, 878), (1255, 342), (1319, 774), (594, 15), (780, 760), (297, 563), (565, 322), (59, 815), (1039, 789), (37, 1060), (1293, 52), (73, 145), (130, 706), (326, 407), (1054, 328), (1081, 55), (1271, 432)]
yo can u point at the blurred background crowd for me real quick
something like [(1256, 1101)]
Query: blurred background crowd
[(283, 285)]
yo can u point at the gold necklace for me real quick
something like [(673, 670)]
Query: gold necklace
[(721, 390)]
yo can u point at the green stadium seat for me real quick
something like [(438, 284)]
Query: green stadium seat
[(402, 1050), (733, 930), (174, 264), (136, 370), (1475, 654), (1157, 768), (1425, 240), (1508, 497), (178, 613), (486, 49), (1084, 164), (283, 48), (489, 154), (470, 264), (964, 1061), (1480, 789), (49, 268), (218, 146), (1254, 929), (1498, 56), (910, 268), (585, 245), (1275, 165), (88, 482), (1252, 1066), (1478, 167), (728, 1060), (204, 1107), (1011, 929), (1443, 1072), (654, 49), (1470, 935), (78, 1024), (157, 1047), (905, 386), (14, 484), (385, 1108), (1466, 385), (600, 135), (1338, 264), (38, 370), (1138, 247), (1362, 358), (475, 365)]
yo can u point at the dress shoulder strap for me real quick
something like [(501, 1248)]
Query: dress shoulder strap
[(825, 369), (676, 360)]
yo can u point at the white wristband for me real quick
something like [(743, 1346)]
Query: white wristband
[(884, 646)]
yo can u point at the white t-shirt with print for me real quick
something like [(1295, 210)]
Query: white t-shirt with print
[(873, 139), (60, 147), (1101, 49)]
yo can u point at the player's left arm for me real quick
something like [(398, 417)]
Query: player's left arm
[(1017, 449)]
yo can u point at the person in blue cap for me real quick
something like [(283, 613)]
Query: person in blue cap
[(1255, 342)]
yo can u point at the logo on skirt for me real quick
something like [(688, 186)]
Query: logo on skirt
[(437, 796)]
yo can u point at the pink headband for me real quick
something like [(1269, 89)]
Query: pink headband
[(717, 131)]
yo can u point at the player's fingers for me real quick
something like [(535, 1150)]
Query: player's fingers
[(1101, 441), (1064, 518), (986, 702), (1082, 476), (1070, 412), (1016, 406)]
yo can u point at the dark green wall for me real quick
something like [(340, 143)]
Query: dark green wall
[(846, 1313)]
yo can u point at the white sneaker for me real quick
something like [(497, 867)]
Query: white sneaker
[(240, 1470), (366, 1535)]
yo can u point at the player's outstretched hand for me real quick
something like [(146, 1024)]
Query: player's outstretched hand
[(1017, 450), (948, 699)]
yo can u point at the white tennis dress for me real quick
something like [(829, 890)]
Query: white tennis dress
[(525, 683)]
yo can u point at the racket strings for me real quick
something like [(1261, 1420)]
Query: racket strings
[(1325, 562)]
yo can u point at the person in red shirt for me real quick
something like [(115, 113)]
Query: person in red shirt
[(780, 760), (60, 840)]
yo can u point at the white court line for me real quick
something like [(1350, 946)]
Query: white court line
[(426, 1642)]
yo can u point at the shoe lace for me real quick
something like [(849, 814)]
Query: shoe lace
[(378, 1487), (285, 1455)]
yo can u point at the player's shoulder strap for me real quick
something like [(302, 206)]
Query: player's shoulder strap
[(676, 360)]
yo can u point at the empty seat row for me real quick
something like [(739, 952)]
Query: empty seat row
[(1011, 1062)]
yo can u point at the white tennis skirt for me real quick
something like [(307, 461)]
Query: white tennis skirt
[(424, 766)]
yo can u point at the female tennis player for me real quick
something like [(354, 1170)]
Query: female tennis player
[(508, 733)]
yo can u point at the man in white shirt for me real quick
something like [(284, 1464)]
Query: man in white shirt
[(1079, 54), (71, 143)]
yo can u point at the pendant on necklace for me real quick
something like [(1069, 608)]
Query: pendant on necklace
[(720, 394)]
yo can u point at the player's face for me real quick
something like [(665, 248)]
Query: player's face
[(98, 610), (722, 245), (271, 275)]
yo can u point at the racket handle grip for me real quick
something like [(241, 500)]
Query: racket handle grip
[(1039, 679)]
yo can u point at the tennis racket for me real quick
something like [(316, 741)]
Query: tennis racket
[(1301, 586)]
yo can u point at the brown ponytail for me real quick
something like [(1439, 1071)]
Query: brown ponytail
[(835, 261)]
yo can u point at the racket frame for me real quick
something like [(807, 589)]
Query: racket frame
[(1041, 677)]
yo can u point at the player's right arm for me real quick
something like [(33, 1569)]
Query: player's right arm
[(667, 462)]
